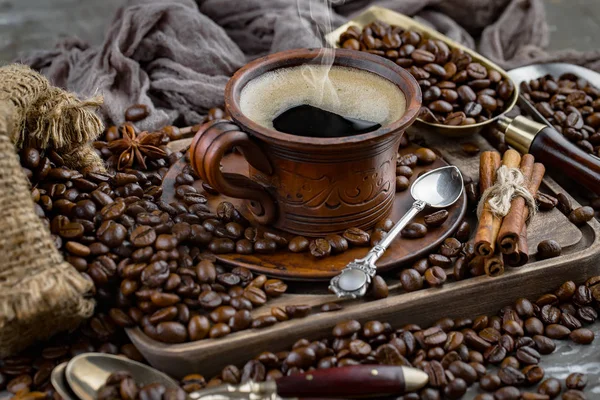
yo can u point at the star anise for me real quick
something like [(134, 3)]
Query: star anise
[(136, 147)]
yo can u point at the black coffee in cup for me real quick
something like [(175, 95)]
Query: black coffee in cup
[(320, 101)]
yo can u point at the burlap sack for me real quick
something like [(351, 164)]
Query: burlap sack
[(49, 117), (40, 293)]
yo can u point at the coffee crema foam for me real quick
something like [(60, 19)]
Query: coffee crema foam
[(350, 92)]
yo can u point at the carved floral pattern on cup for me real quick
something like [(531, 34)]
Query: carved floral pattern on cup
[(333, 192)]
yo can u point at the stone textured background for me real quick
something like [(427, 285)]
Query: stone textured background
[(32, 24)]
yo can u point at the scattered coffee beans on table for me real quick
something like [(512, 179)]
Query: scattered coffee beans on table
[(457, 90), (571, 105), (455, 353)]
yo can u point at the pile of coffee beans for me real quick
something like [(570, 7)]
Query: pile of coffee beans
[(455, 353), (145, 256), (571, 105), (27, 375), (148, 259), (121, 385), (457, 90)]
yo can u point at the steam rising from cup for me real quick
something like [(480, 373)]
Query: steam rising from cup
[(320, 13)]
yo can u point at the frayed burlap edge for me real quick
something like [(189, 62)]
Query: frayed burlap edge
[(49, 117), (40, 293)]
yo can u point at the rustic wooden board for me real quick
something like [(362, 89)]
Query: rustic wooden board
[(581, 251)]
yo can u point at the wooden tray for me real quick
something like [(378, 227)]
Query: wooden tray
[(303, 266), (581, 251)]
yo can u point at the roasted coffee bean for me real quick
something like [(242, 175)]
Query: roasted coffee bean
[(439, 260), (411, 280), (279, 313), (548, 249), (564, 204), (414, 230), (587, 314), (403, 170), (570, 321), (356, 237), (455, 389), (495, 354), (408, 160), (256, 296), (298, 244), (297, 311), (507, 393), (581, 215), (511, 376), (379, 288), (274, 287), (198, 327), (320, 248), (464, 371), (265, 246), (143, 236), (209, 299), (222, 246), (510, 362), (264, 321), (171, 332), (137, 112), (244, 246), (440, 106), (435, 276), (346, 328), (546, 202), (436, 219), (550, 387), (433, 369), (463, 232), (576, 381), (556, 331), (155, 274), (421, 265), (219, 330), (206, 272), (242, 319), (528, 355), (490, 382), (543, 344), (402, 183), (425, 156), (582, 336), (550, 314)]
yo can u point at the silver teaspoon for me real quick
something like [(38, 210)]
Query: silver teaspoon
[(438, 188)]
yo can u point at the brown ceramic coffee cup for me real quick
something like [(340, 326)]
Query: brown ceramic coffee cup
[(305, 185)]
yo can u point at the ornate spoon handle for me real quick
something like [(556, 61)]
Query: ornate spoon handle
[(354, 280)]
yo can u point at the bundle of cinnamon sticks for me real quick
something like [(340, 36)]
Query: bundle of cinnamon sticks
[(503, 240)]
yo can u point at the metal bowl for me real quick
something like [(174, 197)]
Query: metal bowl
[(393, 18)]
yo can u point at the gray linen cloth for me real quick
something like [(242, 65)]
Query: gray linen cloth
[(177, 55)]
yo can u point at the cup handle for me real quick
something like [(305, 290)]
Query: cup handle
[(210, 144)]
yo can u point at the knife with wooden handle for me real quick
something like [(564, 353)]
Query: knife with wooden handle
[(343, 382), (549, 147)]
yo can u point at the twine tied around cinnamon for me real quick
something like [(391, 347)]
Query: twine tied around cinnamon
[(510, 183)]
